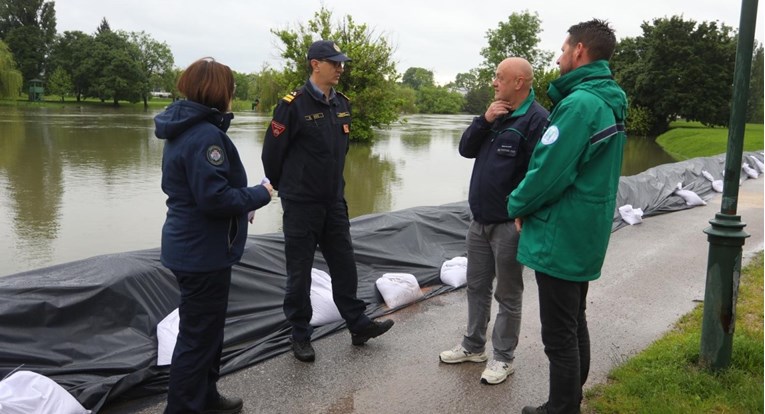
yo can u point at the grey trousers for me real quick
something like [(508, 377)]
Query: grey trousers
[(491, 252)]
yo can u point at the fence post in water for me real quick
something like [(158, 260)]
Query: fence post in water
[(726, 235)]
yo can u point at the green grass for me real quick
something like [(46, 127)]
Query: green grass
[(687, 140), (667, 377)]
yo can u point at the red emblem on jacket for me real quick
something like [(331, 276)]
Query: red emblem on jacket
[(277, 128)]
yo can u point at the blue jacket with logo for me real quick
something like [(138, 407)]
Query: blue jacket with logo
[(305, 146), (502, 151), (206, 186)]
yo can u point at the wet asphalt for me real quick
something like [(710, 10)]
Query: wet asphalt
[(654, 272)]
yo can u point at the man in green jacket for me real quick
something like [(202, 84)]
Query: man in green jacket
[(565, 204)]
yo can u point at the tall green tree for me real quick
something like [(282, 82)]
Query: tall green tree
[(10, 77), (678, 68), (516, 37), (268, 86), (120, 74), (478, 91), (417, 78), (155, 59), (60, 83), (73, 51), (754, 110), (242, 82), (28, 27), (369, 79), (438, 100)]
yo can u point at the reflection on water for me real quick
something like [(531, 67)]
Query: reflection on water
[(80, 182)]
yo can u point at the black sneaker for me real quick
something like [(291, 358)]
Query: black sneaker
[(224, 405), (303, 350), (542, 409), (373, 330)]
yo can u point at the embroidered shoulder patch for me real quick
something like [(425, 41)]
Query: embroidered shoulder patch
[(277, 128), (551, 135), (215, 155)]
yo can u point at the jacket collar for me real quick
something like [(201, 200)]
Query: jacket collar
[(563, 86)]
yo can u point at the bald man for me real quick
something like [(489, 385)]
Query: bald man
[(501, 142)]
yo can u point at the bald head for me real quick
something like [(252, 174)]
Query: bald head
[(516, 67), (513, 80)]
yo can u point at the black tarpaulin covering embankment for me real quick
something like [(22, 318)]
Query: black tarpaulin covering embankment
[(90, 325)]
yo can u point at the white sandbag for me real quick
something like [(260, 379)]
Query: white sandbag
[(717, 185), (454, 272), (691, 198), (749, 171), (398, 289), (324, 309), (758, 164), (26, 392), (631, 215), (167, 334)]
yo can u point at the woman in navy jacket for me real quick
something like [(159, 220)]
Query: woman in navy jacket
[(205, 230)]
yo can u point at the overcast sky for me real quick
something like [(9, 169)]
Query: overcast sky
[(443, 36)]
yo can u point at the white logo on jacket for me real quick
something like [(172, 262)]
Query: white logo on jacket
[(551, 135)]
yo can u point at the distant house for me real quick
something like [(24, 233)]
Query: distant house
[(161, 94)]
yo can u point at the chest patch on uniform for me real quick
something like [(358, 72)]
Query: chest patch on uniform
[(277, 128), (215, 155), (314, 116), (551, 135), (343, 114), (346, 128)]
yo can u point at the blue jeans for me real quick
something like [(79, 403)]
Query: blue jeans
[(491, 251), (562, 306)]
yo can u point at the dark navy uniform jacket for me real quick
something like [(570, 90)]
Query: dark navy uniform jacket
[(206, 186), (502, 151), (305, 146)]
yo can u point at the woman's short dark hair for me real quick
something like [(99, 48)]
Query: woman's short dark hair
[(209, 83)]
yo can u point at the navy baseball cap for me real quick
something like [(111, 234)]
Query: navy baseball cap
[(326, 50)]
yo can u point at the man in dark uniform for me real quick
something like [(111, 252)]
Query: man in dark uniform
[(304, 156)]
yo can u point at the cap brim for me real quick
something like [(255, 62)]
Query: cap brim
[(339, 58)]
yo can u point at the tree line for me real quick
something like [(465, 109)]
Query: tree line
[(677, 68)]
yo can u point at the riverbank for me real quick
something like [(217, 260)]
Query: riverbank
[(686, 140), (653, 274), (153, 103), (644, 381)]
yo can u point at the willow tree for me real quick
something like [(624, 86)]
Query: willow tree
[(369, 79), (10, 77)]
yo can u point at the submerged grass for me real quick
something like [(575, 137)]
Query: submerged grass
[(667, 377)]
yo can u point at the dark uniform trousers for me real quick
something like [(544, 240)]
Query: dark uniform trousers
[(196, 358), (307, 224), (562, 310)]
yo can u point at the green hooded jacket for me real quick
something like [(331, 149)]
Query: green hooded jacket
[(568, 196)]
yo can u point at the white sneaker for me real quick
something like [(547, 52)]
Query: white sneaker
[(496, 372), (460, 354)]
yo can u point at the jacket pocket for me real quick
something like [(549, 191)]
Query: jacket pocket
[(508, 143)]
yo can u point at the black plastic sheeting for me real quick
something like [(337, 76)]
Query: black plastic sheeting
[(90, 325)]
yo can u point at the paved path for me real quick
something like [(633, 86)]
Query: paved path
[(654, 273)]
